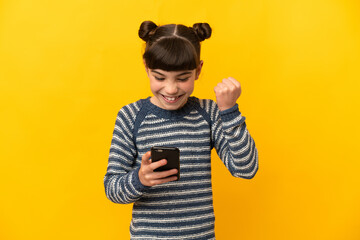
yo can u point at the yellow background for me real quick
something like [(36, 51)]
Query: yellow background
[(67, 67)]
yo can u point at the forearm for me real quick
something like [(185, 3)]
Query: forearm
[(236, 147), (124, 188)]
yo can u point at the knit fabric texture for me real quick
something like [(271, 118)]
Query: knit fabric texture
[(180, 209)]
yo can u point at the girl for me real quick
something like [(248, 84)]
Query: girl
[(164, 208)]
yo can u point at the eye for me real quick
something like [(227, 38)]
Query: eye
[(183, 79), (159, 78)]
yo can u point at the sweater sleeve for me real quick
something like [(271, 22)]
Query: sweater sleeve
[(122, 183), (232, 141)]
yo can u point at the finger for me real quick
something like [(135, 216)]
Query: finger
[(221, 87), (162, 174), (229, 84), (216, 88), (235, 82), (158, 164), (145, 158), (162, 180), (233, 86)]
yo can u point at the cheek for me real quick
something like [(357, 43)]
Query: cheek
[(154, 85), (188, 86)]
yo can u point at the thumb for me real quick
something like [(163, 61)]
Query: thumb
[(145, 158)]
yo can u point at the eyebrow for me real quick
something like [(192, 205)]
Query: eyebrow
[(164, 75)]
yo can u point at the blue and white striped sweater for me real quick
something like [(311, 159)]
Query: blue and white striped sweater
[(181, 209)]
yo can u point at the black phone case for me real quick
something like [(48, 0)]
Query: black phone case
[(171, 154)]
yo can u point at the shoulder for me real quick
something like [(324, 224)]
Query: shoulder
[(128, 113), (208, 107)]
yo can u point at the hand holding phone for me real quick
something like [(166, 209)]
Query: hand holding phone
[(149, 177), (171, 154)]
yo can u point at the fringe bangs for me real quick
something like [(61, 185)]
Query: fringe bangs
[(171, 54)]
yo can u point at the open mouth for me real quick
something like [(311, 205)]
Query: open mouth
[(171, 99)]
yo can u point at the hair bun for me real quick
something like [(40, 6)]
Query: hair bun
[(202, 30), (145, 30)]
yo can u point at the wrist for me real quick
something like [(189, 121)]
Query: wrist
[(230, 113), (224, 108), (138, 185), (227, 109)]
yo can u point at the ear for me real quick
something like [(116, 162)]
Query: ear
[(198, 69)]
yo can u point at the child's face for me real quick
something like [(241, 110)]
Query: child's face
[(171, 89)]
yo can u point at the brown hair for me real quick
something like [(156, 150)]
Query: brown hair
[(173, 47)]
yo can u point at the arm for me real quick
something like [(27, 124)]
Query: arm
[(231, 139), (233, 143), (122, 183)]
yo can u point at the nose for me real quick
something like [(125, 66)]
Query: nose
[(171, 88)]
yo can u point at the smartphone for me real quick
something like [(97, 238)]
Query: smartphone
[(171, 154)]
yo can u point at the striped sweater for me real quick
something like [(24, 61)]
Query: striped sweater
[(181, 209)]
